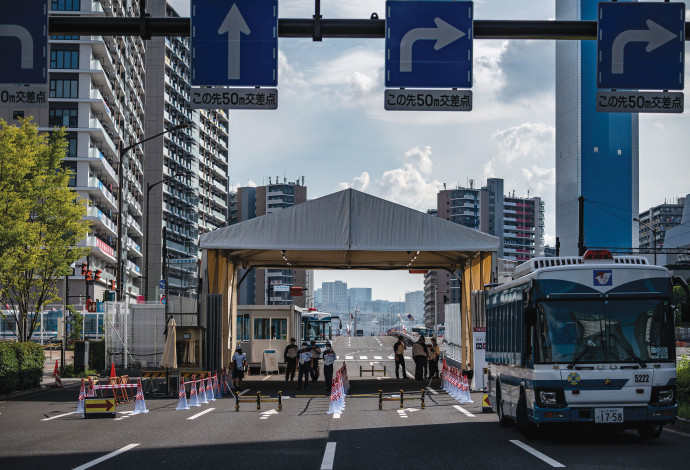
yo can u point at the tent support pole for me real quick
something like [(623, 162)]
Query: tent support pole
[(243, 276)]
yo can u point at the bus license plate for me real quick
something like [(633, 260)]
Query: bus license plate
[(608, 415)]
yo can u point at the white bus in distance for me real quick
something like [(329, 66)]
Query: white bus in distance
[(584, 340)]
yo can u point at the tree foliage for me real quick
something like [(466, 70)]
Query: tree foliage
[(41, 221)]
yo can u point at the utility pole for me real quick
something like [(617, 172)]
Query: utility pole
[(435, 310), (581, 226)]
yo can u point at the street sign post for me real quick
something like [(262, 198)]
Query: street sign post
[(234, 43), (99, 407), (641, 46), (429, 44), (161, 284)]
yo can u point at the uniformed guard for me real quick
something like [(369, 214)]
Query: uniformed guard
[(328, 361), (305, 361), (290, 356)]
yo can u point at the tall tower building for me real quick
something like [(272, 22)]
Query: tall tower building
[(96, 91), (597, 154), (334, 296), (271, 286), (186, 170)]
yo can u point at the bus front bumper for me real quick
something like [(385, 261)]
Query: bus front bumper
[(631, 414)]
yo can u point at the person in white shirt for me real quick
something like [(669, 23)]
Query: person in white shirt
[(328, 361), (239, 360)]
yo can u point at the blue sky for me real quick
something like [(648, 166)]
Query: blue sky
[(331, 128)]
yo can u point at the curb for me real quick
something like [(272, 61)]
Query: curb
[(682, 425), (35, 391)]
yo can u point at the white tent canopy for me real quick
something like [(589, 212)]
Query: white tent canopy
[(349, 230)]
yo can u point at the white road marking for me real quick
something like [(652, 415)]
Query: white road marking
[(267, 414), (363, 358), (431, 390), (202, 413), (390, 358), (463, 410), (328, 456), (266, 378), (402, 414), (336, 415), (537, 454), (377, 357), (244, 391), (106, 457), (349, 358), (58, 416)]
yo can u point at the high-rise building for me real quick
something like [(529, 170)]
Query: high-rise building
[(359, 295), (660, 219), (597, 154), (271, 286), (334, 297), (96, 91), (186, 170), (414, 304)]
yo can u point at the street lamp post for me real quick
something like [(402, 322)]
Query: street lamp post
[(149, 187), (119, 275), (653, 230)]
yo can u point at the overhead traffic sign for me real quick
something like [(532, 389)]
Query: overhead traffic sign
[(24, 42), (641, 45), (234, 43), (429, 44)]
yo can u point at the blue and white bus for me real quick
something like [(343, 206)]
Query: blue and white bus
[(584, 340)]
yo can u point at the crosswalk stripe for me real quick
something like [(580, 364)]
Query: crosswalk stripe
[(377, 357), (363, 358), (349, 358)]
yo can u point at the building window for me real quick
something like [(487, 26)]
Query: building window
[(60, 88), (60, 59), (71, 139), (17, 115), (63, 117), (65, 5), (64, 38)]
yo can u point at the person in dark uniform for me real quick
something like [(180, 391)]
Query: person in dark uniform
[(305, 361), (420, 357), (329, 357), (290, 356), (315, 354), (399, 349)]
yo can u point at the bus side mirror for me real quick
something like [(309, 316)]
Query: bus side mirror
[(685, 312), (530, 315)]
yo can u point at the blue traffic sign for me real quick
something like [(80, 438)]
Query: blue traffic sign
[(429, 44), (641, 45), (161, 284), (234, 43), (24, 42)]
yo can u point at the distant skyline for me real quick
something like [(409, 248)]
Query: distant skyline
[(331, 128)]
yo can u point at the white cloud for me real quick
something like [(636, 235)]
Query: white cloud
[(409, 185)]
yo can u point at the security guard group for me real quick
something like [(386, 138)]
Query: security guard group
[(306, 362)]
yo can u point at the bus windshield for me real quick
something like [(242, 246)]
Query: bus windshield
[(318, 330), (581, 331)]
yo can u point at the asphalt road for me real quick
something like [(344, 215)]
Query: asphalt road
[(40, 431)]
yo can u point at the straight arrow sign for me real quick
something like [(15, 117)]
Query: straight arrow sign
[(234, 25), (443, 34), (655, 36)]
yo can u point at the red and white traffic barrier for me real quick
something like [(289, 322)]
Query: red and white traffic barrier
[(56, 374), (82, 396), (193, 395), (182, 396), (202, 391), (456, 384), (139, 403), (339, 388), (210, 395)]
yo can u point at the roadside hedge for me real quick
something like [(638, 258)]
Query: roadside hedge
[(21, 366), (683, 380)]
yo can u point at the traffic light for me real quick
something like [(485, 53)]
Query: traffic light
[(88, 275), (97, 275), (83, 269), (112, 284)]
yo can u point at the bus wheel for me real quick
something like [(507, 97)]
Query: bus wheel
[(529, 430), (650, 431), (503, 420)]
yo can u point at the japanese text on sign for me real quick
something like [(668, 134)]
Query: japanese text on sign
[(234, 98), (24, 96), (639, 102), (428, 100)]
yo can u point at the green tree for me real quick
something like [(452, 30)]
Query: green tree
[(41, 221), (75, 322)]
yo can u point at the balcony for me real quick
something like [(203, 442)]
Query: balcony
[(95, 186), (95, 214), (101, 163), (98, 247), (99, 134), (133, 269)]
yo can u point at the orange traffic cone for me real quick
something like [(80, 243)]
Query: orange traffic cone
[(55, 371), (113, 375)]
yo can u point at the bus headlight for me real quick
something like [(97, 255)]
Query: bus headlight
[(663, 396), (550, 398)]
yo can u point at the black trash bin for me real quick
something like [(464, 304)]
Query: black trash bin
[(81, 355)]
